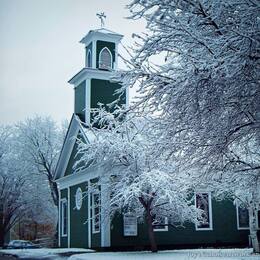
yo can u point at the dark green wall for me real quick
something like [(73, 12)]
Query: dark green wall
[(73, 157), (224, 231), (117, 234), (110, 45), (80, 97), (78, 220), (79, 225), (63, 240), (71, 162), (103, 91)]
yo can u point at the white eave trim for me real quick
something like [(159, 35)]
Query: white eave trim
[(67, 147), (79, 177), (101, 36), (90, 73)]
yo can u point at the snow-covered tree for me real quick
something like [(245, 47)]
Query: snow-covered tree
[(41, 210), (205, 98), (139, 182), (12, 183), (41, 141), (24, 194)]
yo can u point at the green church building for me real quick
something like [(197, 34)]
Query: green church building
[(82, 220)]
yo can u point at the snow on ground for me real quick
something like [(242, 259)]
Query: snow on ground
[(44, 252), (199, 254)]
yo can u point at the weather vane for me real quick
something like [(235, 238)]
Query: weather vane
[(102, 18)]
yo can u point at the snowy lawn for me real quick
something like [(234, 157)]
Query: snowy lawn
[(199, 254), (44, 252)]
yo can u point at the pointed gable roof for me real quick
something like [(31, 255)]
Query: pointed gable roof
[(75, 127)]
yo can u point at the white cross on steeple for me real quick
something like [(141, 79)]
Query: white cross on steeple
[(102, 17)]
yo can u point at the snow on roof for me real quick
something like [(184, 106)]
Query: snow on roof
[(89, 134), (104, 31)]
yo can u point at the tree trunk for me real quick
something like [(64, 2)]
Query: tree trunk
[(54, 190), (149, 220), (253, 227), (151, 232)]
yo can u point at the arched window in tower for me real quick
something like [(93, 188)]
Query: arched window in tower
[(105, 59), (89, 60)]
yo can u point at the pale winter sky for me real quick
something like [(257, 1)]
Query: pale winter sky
[(40, 52)]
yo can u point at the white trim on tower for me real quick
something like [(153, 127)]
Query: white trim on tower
[(94, 54), (88, 101), (116, 57)]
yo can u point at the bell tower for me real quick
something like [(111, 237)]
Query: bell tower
[(92, 84)]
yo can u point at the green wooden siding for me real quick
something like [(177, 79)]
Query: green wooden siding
[(80, 99), (110, 45), (224, 231), (78, 218), (63, 240), (103, 91), (69, 170), (119, 240)]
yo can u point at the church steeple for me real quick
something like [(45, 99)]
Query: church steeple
[(98, 41), (92, 84)]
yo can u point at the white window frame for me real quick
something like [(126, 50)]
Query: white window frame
[(93, 213), (89, 54), (111, 59), (210, 228), (165, 228), (245, 228), (62, 202)]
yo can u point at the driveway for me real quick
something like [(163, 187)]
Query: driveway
[(43, 253)]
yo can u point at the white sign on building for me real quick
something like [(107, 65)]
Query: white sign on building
[(130, 224)]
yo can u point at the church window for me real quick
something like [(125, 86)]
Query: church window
[(105, 59), (160, 224), (64, 217), (96, 212), (89, 60), (242, 218), (203, 202), (78, 199)]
